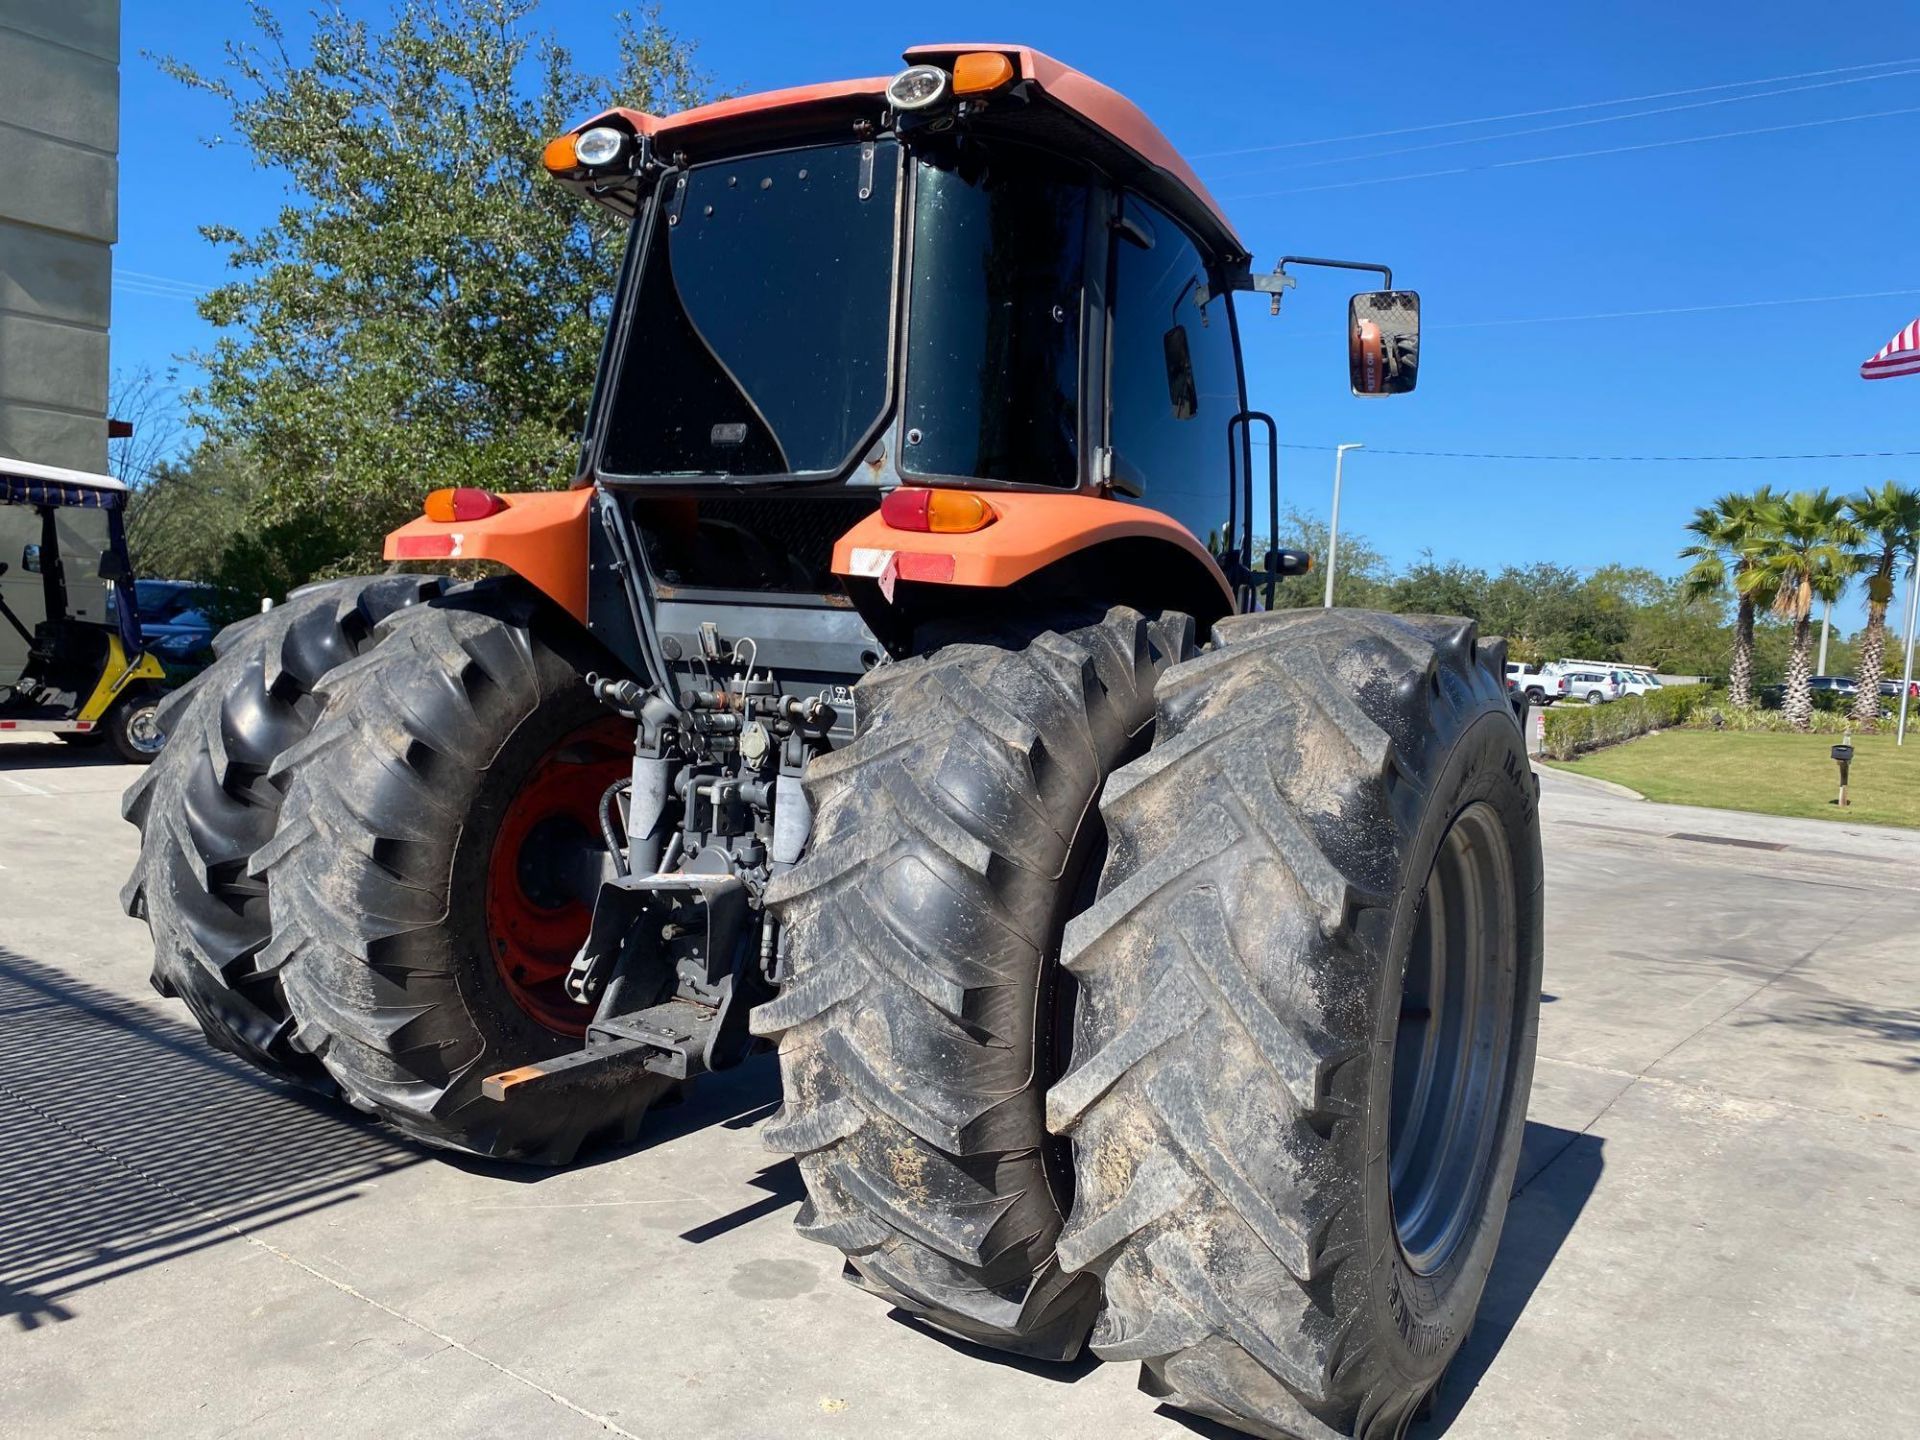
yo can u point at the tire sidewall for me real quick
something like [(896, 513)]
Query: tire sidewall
[(1420, 1320)]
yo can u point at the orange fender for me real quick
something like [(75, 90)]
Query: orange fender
[(1030, 532), (541, 536)]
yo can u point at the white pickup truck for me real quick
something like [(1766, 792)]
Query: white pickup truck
[(1537, 683)]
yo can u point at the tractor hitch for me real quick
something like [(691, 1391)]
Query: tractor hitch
[(669, 963)]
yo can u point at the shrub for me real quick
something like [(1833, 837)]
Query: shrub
[(1570, 729), (1720, 716)]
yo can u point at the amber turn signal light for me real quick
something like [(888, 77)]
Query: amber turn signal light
[(560, 156), (464, 503), (981, 71), (946, 512)]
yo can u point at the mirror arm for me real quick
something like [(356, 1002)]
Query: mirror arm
[(1276, 284)]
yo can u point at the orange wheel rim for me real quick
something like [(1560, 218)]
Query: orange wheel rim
[(534, 925)]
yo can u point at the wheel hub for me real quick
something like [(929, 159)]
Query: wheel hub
[(1452, 1046), (144, 732), (543, 873)]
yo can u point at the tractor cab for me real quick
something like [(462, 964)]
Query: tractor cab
[(986, 290), (71, 660), (988, 272)]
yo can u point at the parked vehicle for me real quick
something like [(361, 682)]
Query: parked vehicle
[(1539, 688), (1637, 682), (72, 663), (1593, 687), (1829, 692), (177, 623), (855, 700), (1891, 688)]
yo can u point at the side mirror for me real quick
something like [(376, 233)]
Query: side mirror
[(1383, 341), (113, 566), (30, 559)]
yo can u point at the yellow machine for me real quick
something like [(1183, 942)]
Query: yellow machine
[(71, 661)]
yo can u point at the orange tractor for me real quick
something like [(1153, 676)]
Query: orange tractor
[(899, 684)]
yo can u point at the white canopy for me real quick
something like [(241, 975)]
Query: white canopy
[(58, 474)]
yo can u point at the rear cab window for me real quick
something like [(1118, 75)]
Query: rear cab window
[(762, 328), (995, 314)]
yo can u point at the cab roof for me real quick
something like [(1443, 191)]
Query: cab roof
[(1101, 125)]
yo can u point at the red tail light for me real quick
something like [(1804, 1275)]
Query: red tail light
[(951, 512), (464, 503)]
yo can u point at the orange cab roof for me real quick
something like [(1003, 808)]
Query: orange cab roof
[(1104, 109)]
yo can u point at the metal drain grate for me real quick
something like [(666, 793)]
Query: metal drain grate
[(1728, 840)]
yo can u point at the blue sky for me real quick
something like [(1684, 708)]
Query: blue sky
[(1820, 204)]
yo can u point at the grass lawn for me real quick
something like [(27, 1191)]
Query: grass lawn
[(1771, 774)]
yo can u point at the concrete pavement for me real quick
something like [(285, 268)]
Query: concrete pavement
[(1714, 1233)]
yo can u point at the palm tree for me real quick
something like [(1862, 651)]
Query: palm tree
[(1809, 551), (1730, 532), (1889, 519)]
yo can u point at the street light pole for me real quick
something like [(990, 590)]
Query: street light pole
[(1826, 623), (1913, 613), (1333, 528)]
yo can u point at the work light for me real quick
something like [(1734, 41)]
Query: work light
[(599, 146), (917, 87)]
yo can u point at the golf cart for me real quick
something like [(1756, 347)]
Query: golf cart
[(71, 661)]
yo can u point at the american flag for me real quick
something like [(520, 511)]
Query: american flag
[(1899, 356)]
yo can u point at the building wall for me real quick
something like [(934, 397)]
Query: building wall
[(59, 217)]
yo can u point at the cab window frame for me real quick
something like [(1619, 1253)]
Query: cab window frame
[(1165, 226), (647, 229), (1090, 333)]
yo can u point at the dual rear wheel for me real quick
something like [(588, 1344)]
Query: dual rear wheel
[(1284, 899), (367, 854), (1183, 1002)]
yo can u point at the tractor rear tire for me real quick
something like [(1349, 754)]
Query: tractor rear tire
[(207, 803), (1324, 878), (419, 951), (926, 1013)]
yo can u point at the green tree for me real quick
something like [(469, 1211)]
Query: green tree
[(1730, 532), (1537, 607), (1430, 588), (1807, 551), (185, 513), (1889, 520), (426, 308)]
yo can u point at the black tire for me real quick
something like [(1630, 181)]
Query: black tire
[(926, 1015), (208, 803), (379, 883), (1241, 998), (133, 727), (1594, 697)]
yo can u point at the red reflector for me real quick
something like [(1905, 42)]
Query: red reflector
[(422, 547), (936, 568), (906, 508)]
